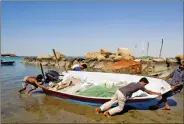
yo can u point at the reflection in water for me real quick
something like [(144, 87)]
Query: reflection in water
[(40, 104), (30, 103)]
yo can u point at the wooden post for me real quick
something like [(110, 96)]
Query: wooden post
[(161, 48), (42, 70), (56, 58), (147, 48)]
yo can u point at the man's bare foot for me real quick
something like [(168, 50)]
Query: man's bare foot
[(22, 92), (166, 108), (106, 113), (28, 93), (98, 110)]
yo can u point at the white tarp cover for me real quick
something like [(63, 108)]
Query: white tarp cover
[(110, 79)]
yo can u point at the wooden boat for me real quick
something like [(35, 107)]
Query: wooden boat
[(7, 63), (159, 59), (156, 85)]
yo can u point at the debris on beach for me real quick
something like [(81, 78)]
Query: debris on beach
[(134, 67)]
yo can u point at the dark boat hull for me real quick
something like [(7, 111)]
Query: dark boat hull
[(8, 63), (87, 100)]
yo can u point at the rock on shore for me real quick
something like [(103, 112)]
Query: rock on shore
[(9, 54), (105, 61), (97, 61)]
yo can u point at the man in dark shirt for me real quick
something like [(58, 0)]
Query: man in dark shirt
[(121, 96), (176, 86)]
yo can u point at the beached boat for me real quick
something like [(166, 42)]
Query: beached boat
[(159, 59), (7, 63), (109, 79)]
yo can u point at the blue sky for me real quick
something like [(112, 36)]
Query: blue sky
[(75, 28)]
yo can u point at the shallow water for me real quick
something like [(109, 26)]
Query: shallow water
[(40, 108)]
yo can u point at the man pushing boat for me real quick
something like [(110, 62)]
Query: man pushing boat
[(121, 96), (176, 83), (35, 82)]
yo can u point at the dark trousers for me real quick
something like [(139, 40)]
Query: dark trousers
[(169, 94)]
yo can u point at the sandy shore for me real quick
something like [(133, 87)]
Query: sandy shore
[(39, 108)]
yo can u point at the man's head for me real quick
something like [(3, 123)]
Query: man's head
[(83, 66), (144, 81), (182, 63), (39, 78)]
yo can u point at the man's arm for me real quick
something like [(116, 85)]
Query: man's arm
[(177, 85), (152, 93), (40, 85)]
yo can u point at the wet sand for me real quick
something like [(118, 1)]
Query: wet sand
[(40, 108)]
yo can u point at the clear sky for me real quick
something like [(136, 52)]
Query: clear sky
[(75, 28)]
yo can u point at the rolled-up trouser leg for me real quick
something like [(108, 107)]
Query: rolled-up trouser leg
[(164, 97), (121, 102), (108, 104)]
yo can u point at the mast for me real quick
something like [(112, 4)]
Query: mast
[(161, 48), (147, 48)]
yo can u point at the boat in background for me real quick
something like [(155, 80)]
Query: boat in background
[(7, 63)]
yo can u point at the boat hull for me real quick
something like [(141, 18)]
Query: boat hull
[(87, 99), (8, 63)]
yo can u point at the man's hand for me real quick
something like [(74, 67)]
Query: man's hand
[(152, 93), (173, 87), (46, 88), (159, 94), (41, 83)]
